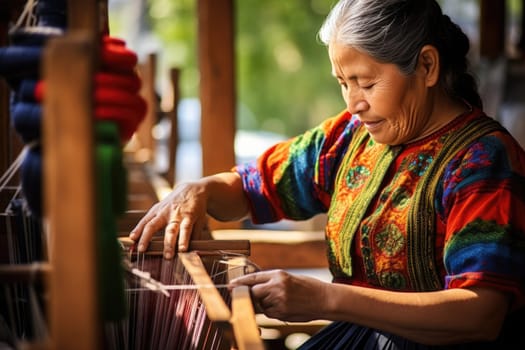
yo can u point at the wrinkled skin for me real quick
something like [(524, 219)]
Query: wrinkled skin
[(284, 296), (183, 215)]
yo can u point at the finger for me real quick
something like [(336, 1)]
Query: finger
[(136, 232), (252, 279), (170, 238), (172, 232), (185, 230), (150, 228)]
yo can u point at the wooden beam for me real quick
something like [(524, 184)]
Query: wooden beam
[(86, 18), (217, 88), (146, 142), (521, 42), (69, 177), (245, 328), (174, 134), (69, 192), (217, 84), (216, 308), (492, 28)]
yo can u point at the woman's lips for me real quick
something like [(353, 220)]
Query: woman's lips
[(373, 125)]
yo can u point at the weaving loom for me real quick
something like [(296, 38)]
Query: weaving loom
[(184, 303), (61, 294), (22, 317)]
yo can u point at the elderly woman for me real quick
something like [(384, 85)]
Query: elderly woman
[(423, 192)]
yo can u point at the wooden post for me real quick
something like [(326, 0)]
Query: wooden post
[(217, 84), (217, 87), (174, 134), (492, 28), (69, 178), (146, 143), (245, 327), (70, 194), (521, 42)]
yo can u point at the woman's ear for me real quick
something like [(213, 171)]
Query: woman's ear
[(428, 64)]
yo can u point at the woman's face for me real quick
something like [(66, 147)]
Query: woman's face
[(394, 108)]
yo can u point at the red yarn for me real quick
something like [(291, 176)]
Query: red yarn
[(39, 91), (128, 82), (116, 88), (123, 116), (126, 109), (115, 56)]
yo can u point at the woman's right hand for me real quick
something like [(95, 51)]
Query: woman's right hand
[(182, 213)]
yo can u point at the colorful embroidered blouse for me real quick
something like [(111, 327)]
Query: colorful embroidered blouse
[(367, 189)]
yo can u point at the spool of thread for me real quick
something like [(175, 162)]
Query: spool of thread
[(116, 57), (128, 82), (107, 133), (20, 66), (33, 36), (116, 93), (26, 118), (31, 179), (111, 201), (26, 91), (19, 62), (52, 13), (124, 108)]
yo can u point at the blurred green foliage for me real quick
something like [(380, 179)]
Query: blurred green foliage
[(283, 74)]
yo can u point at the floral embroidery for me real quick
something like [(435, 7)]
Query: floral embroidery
[(393, 279), (419, 164), (356, 176), (390, 241)]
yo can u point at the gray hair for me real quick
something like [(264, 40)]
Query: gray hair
[(394, 31)]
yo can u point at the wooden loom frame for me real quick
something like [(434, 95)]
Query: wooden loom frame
[(69, 195), (237, 323)]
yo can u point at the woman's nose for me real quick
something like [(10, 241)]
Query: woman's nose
[(355, 103)]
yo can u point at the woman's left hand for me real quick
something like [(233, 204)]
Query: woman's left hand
[(285, 296)]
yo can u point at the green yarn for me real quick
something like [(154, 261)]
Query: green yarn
[(111, 199)]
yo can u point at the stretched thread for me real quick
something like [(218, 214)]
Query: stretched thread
[(180, 320)]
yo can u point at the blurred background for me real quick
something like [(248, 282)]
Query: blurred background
[(283, 79)]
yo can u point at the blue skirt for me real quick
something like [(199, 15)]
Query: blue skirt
[(348, 336)]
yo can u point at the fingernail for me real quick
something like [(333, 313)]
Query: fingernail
[(167, 255), (142, 247)]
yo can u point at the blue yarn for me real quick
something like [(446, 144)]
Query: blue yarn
[(26, 118), (20, 66), (33, 36), (31, 176), (25, 91), (52, 13), (18, 62)]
